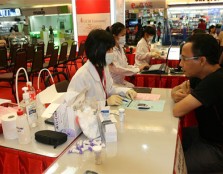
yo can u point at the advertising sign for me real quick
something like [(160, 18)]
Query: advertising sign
[(10, 12), (88, 22)]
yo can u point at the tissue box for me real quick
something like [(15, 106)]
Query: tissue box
[(109, 132)]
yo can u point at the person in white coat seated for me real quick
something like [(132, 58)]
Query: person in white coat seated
[(94, 74), (119, 68), (143, 48)]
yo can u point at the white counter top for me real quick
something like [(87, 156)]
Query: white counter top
[(34, 146), (146, 144)]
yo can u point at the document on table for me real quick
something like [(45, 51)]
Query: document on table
[(151, 97)]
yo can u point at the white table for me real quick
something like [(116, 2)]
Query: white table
[(34, 157), (146, 144)]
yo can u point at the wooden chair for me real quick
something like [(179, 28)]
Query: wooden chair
[(30, 52), (62, 61), (61, 83), (4, 64), (72, 58), (53, 60), (20, 61), (50, 49), (37, 64)]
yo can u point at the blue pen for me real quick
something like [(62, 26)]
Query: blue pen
[(125, 100)]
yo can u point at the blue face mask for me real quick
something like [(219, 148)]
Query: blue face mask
[(109, 58)]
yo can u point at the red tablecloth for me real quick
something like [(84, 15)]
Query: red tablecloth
[(171, 63), (18, 162), (157, 81)]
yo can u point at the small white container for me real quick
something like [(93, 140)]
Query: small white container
[(97, 152), (121, 114)]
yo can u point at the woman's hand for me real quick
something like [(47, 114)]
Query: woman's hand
[(114, 100), (131, 94)]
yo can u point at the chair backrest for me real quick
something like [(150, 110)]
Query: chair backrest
[(40, 46), (13, 50), (50, 48), (81, 52), (3, 57), (63, 51), (30, 51), (20, 60), (61, 83), (53, 58), (37, 63), (73, 50)]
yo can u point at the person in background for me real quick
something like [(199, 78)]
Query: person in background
[(94, 74), (139, 30), (119, 68), (158, 31), (154, 37), (202, 145), (143, 53), (202, 24), (212, 31), (220, 37), (218, 28), (2, 42), (51, 33)]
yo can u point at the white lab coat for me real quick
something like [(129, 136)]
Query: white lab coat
[(120, 68), (88, 77), (142, 52)]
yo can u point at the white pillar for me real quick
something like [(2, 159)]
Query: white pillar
[(74, 13)]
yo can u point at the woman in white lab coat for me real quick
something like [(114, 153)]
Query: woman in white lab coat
[(94, 75), (143, 52), (119, 68)]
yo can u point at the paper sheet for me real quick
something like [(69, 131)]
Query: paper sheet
[(144, 96)]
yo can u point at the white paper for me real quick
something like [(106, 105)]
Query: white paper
[(50, 110)]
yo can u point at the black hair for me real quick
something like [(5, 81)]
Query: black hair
[(205, 45), (98, 42), (198, 30), (149, 30), (116, 28), (212, 26)]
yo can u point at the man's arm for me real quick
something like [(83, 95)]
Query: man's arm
[(181, 91), (186, 105)]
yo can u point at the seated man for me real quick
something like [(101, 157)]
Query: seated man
[(202, 145)]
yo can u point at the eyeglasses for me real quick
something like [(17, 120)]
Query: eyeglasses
[(187, 58)]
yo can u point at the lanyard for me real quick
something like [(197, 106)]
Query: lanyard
[(104, 83)]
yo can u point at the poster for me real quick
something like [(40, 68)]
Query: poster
[(88, 22)]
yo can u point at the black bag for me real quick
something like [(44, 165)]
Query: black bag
[(51, 137)]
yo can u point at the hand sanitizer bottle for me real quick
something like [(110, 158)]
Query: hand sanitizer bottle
[(22, 127), (29, 108), (31, 90)]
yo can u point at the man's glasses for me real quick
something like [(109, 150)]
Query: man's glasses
[(187, 58)]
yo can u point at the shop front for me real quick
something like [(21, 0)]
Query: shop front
[(185, 15)]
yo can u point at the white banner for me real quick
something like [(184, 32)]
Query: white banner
[(88, 22)]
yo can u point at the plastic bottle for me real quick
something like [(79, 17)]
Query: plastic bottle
[(29, 107), (31, 91), (22, 127)]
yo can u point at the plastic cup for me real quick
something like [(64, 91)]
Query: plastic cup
[(97, 153)]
